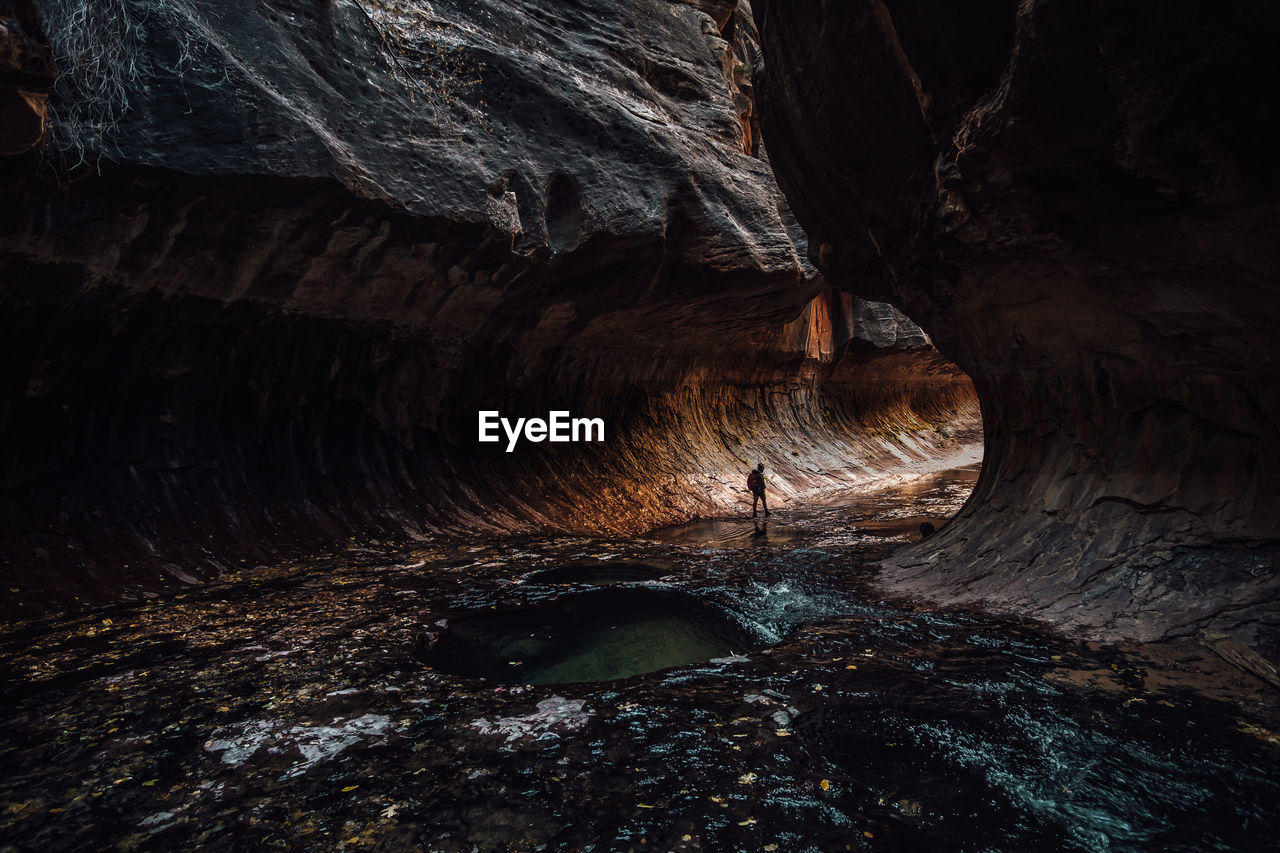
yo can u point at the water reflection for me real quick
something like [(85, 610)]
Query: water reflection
[(586, 637), (733, 533), (895, 514)]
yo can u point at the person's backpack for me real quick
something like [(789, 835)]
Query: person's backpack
[(753, 481)]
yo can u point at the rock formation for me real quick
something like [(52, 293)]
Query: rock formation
[(26, 76), (275, 256), (1077, 199)]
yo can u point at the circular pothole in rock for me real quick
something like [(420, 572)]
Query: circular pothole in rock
[(597, 574), (600, 635)]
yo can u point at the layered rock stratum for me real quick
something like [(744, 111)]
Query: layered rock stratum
[(271, 259), (1078, 201)]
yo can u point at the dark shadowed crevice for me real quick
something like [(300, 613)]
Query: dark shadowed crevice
[(564, 215)]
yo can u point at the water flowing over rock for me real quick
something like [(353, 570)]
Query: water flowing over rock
[(1078, 201), (274, 257)]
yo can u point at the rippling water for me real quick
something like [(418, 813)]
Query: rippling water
[(290, 706)]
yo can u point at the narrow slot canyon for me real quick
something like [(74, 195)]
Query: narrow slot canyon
[(380, 382), (168, 429)]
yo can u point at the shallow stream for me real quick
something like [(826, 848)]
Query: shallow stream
[(468, 696)]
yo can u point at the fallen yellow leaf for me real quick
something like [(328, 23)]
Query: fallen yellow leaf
[(825, 784), (349, 788)]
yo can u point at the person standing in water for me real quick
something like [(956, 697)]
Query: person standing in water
[(755, 482)]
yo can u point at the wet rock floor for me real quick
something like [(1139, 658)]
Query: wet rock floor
[(288, 707)]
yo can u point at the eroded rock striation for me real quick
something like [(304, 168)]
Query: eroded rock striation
[(1078, 201), (264, 273)]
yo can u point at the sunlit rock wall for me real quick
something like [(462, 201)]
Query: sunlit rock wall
[(1078, 201), (253, 307)]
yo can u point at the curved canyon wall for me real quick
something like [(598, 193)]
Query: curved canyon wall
[(1077, 199), (253, 296)]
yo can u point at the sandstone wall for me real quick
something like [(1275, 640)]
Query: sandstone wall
[(253, 308), (1078, 201)]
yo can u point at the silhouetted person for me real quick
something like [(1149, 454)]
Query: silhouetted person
[(755, 482), (927, 529)]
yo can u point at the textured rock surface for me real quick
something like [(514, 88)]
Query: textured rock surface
[(332, 232), (1078, 201), (550, 126), (26, 76)]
